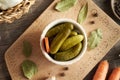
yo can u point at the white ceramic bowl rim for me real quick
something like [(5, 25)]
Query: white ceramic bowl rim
[(112, 6), (52, 24)]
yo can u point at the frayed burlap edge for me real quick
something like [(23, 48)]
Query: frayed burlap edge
[(16, 12)]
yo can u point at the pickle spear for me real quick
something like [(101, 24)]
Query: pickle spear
[(68, 54)]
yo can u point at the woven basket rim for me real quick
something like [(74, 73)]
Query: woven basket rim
[(16, 12)]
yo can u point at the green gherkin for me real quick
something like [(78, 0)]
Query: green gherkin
[(73, 33), (53, 31), (58, 40), (71, 41), (68, 54)]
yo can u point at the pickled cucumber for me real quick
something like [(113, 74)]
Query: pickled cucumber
[(71, 41), (59, 39), (57, 28), (68, 54), (73, 33)]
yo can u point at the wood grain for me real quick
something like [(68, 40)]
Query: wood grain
[(77, 71)]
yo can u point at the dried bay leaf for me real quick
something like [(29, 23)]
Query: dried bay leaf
[(27, 48), (83, 13), (94, 38), (64, 5), (29, 69)]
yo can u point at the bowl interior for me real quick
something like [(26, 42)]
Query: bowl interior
[(79, 29)]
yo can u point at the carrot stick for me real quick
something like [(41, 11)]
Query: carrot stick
[(115, 75), (101, 71), (47, 44)]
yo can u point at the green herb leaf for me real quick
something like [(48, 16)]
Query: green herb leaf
[(29, 68), (83, 13), (94, 38), (27, 48), (64, 5)]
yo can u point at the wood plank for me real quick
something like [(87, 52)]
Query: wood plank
[(77, 71)]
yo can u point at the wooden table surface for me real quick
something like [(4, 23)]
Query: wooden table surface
[(10, 32)]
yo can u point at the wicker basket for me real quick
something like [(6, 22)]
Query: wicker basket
[(16, 12)]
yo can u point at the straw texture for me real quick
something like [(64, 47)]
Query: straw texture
[(16, 12)]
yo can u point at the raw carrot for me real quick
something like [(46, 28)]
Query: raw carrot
[(101, 71), (115, 75), (47, 44)]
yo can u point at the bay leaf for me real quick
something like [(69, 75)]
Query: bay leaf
[(82, 13), (94, 38), (27, 48), (29, 68), (65, 5)]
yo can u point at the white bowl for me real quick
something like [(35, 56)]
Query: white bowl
[(77, 26), (113, 9)]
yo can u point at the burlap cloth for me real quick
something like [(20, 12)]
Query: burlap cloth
[(16, 12)]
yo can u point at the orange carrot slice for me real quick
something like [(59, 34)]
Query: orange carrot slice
[(47, 44), (101, 71), (115, 75)]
